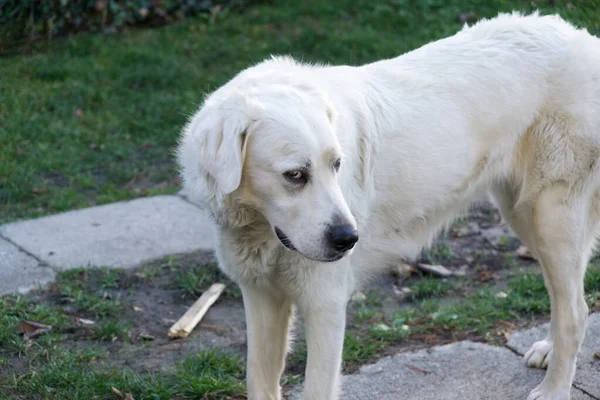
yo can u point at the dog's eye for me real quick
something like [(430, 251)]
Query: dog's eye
[(336, 165), (295, 176)]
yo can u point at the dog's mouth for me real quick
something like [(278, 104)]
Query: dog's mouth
[(284, 239), (288, 244)]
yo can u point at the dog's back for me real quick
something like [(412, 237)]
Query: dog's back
[(514, 99)]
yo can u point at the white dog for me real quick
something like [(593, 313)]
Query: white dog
[(297, 162)]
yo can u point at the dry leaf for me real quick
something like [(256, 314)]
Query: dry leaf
[(486, 275), (41, 190), (462, 270), (401, 270), (120, 395), (30, 329)]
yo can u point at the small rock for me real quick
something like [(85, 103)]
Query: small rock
[(462, 270), (382, 327), (398, 293), (501, 295), (146, 336), (358, 297), (474, 228), (500, 237), (597, 355), (406, 290), (461, 231)]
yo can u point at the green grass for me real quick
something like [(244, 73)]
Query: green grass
[(94, 118), (111, 330), (192, 281), (207, 375), (85, 290), (428, 286)]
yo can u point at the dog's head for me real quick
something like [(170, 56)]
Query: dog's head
[(266, 143)]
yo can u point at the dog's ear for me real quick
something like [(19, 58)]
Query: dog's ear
[(220, 136)]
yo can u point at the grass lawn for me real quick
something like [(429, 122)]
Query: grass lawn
[(94, 118)]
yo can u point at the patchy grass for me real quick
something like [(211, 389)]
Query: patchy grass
[(94, 118), (84, 362), (485, 313), (85, 290), (426, 286)]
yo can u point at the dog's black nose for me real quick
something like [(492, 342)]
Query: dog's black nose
[(342, 237)]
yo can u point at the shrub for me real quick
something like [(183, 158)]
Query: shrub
[(27, 20)]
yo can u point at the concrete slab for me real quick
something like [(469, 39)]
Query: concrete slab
[(459, 371), (121, 235), (19, 272), (587, 376)]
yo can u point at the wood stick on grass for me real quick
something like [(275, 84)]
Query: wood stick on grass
[(194, 314)]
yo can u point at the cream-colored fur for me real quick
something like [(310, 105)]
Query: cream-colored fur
[(509, 106)]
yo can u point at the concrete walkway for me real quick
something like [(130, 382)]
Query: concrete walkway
[(127, 234), (119, 235), (471, 371)]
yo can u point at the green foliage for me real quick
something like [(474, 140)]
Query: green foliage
[(32, 19)]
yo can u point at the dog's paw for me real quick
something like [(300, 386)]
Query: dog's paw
[(539, 355), (543, 393)]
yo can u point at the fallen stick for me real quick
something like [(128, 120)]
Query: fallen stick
[(437, 270), (194, 314), (421, 370)]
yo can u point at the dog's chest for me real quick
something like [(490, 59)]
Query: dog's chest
[(260, 260)]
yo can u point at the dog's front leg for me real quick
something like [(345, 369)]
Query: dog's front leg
[(268, 316), (323, 307)]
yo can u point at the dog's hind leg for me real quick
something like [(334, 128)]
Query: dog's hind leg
[(268, 316), (506, 196), (561, 235)]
